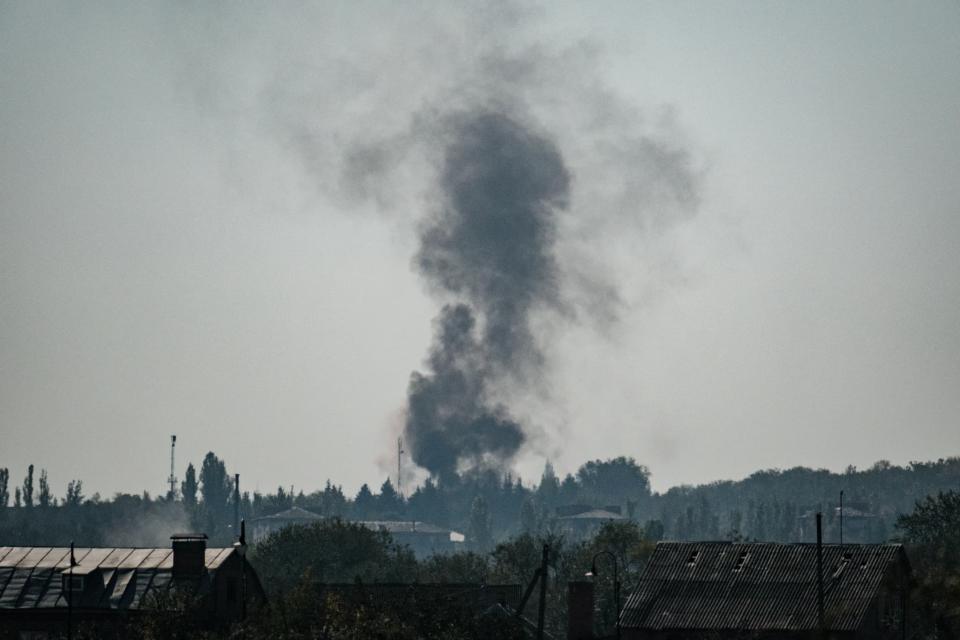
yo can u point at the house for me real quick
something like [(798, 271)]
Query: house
[(42, 589), (768, 590), (584, 520), (263, 527)]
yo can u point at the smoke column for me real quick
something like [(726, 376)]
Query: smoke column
[(488, 249)]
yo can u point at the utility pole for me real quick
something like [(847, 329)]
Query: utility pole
[(541, 613), (236, 505), (70, 592), (400, 452)]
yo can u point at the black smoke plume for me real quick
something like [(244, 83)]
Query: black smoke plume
[(488, 248)]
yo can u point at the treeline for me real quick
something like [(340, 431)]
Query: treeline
[(489, 506)]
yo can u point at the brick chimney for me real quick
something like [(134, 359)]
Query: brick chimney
[(579, 610), (189, 550)]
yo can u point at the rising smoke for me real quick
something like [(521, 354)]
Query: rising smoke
[(490, 246)]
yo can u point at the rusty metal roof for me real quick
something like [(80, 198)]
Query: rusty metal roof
[(758, 586), (30, 577)]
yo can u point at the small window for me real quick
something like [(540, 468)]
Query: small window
[(741, 560), (692, 560)]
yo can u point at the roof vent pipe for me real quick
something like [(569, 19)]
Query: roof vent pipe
[(236, 505)]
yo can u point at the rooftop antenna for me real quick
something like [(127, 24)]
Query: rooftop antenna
[(236, 509), (399, 453), (173, 478)]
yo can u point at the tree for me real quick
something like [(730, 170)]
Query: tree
[(462, 567), (480, 530), (189, 487), (932, 533), (428, 503), (331, 551), (333, 502), (4, 487), (28, 488), (549, 488), (364, 503), (615, 481), (74, 495), (529, 523), (653, 530), (16, 498), (215, 487), (389, 502), (44, 498)]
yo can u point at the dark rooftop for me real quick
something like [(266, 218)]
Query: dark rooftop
[(758, 586), (30, 577)]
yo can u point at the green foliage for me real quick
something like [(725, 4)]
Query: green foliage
[(74, 495), (307, 612), (480, 536), (4, 487), (364, 503), (461, 567), (188, 489), (330, 551), (44, 498), (615, 481), (932, 536), (28, 488), (215, 487), (388, 502)]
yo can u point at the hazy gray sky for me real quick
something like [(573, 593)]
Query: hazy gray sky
[(208, 216)]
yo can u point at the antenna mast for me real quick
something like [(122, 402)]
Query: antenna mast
[(173, 478), (399, 453)]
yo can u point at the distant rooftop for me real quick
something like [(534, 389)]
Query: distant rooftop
[(292, 514), (30, 577), (403, 526), (759, 587), (594, 514)]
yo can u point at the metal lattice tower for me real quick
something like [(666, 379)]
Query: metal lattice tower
[(173, 478)]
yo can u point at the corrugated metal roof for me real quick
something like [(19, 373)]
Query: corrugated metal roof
[(30, 577), (757, 586)]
